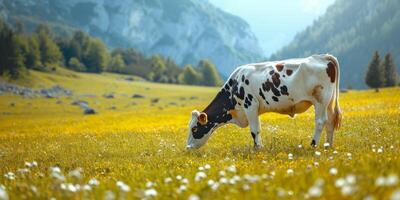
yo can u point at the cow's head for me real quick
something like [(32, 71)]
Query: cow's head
[(199, 130)]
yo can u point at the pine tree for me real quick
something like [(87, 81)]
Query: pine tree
[(97, 57), (390, 71), (210, 74), (11, 58), (117, 64), (158, 68), (375, 74), (49, 51)]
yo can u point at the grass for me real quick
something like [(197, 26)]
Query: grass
[(142, 143)]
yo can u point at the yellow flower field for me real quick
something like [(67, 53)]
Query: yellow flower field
[(135, 148)]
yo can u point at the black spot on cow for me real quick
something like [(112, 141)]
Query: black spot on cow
[(275, 79), (271, 72), (275, 98), (275, 91), (240, 95), (331, 71), (284, 76), (250, 97), (247, 101), (247, 81), (230, 82), (261, 94), (266, 102), (267, 85), (242, 78), (284, 90), (246, 106), (226, 87)]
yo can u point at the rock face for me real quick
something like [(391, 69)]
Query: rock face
[(184, 30)]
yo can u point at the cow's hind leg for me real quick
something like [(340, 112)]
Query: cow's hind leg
[(254, 122), (322, 99), (320, 120)]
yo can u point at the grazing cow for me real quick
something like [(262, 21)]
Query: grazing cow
[(285, 87)]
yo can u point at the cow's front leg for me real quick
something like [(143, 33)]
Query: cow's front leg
[(254, 122)]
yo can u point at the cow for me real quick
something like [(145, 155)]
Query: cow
[(286, 87)]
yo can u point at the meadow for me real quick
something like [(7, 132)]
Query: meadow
[(135, 147)]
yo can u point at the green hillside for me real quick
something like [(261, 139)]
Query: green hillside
[(352, 31)]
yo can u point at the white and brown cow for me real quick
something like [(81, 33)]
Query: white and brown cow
[(286, 87)]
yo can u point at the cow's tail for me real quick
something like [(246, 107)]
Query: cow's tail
[(337, 111)]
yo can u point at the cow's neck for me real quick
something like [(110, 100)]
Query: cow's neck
[(218, 111)]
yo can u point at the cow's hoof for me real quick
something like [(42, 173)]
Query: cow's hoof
[(313, 143), (258, 147)]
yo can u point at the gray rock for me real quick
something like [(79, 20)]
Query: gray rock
[(137, 96), (89, 111), (108, 96)]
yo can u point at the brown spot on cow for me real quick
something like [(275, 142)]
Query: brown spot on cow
[(289, 72), (276, 80), (317, 93), (279, 67), (331, 71)]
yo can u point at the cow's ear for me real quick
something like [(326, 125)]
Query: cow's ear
[(202, 118)]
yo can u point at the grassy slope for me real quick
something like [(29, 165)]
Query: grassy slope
[(145, 142)]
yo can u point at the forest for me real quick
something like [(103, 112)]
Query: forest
[(45, 50)]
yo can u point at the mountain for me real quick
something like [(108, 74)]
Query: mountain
[(352, 31), (184, 30)]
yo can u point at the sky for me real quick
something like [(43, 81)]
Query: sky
[(275, 22)]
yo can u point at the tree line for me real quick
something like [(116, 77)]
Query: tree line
[(381, 73), (44, 50)]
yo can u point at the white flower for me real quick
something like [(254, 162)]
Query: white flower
[(34, 164), (300, 146), (231, 169), (315, 191), (201, 168), (395, 195), (215, 186), (123, 187), (222, 173), (340, 182), (109, 195), (150, 192), (87, 187), (333, 171), (289, 171), (348, 154), (290, 156), (72, 188), (392, 180), (380, 150), (200, 176), (76, 173), (3, 193), (194, 197), (28, 164), (317, 153), (168, 180), (93, 182), (179, 177), (326, 145), (181, 189), (149, 184), (223, 180), (351, 179), (23, 171), (55, 169), (347, 190), (380, 181), (207, 166), (185, 181), (335, 152), (246, 187), (251, 178)]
